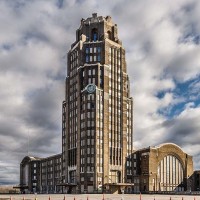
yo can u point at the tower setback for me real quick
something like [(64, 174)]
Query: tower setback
[(98, 110)]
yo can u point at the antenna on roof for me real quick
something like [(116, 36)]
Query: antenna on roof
[(28, 144)]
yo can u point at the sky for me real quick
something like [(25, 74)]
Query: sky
[(162, 42)]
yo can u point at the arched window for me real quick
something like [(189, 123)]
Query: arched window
[(94, 34), (170, 174)]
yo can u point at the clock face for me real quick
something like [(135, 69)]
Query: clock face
[(91, 88)]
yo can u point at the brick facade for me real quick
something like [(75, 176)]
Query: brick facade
[(162, 168)]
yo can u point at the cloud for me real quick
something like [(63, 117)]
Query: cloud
[(33, 69), (184, 131), (186, 122), (161, 39)]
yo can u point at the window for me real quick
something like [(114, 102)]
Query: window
[(87, 58), (95, 37), (98, 58), (82, 170), (92, 105), (94, 34), (92, 141), (98, 49), (82, 116), (89, 72), (87, 50), (89, 80), (101, 82), (170, 171), (88, 133)]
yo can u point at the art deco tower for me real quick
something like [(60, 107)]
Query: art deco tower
[(98, 109)]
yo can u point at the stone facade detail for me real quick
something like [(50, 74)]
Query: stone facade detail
[(99, 124), (162, 168)]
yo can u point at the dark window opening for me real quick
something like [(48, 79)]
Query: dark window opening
[(87, 58), (98, 58), (101, 82), (92, 105), (95, 37), (72, 175), (109, 35), (119, 176), (94, 34)]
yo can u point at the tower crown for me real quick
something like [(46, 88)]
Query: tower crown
[(97, 28)]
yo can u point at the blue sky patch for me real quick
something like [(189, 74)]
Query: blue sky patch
[(187, 93), (59, 3)]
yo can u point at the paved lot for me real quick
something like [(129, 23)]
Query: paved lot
[(99, 197)]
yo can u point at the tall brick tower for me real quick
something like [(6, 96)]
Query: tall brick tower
[(98, 110)]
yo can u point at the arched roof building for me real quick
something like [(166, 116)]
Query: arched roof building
[(30, 174), (40, 174), (165, 167)]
